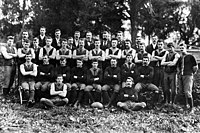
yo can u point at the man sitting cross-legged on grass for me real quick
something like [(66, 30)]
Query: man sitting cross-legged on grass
[(94, 80), (28, 72), (127, 97), (58, 92)]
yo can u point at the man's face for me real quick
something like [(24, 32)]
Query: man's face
[(129, 59), (45, 59), (141, 47), (97, 44), (114, 43), (129, 83), (171, 49), (77, 35), (28, 57), (25, 35), (95, 65), (10, 42), (59, 79), (64, 44), (42, 31), (138, 39), (120, 36), (105, 36), (113, 63), (88, 35), (48, 42), (154, 39), (58, 34), (79, 63), (128, 44), (70, 41), (160, 45), (81, 43), (26, 45), (36, 42), (182, 49), (63, 62), (145, 61)]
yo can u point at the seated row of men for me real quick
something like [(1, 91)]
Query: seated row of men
[(81, 82)]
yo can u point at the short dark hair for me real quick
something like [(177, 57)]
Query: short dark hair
[(161, 40), (95, 60), (48, 37), (114, 39), (42, 27), (57, 30), (10, 37)]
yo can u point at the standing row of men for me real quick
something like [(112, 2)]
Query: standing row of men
[(85, 54)]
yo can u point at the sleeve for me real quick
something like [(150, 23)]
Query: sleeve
[(89, 79)]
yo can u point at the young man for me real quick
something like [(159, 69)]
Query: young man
[(22, 52), (157, 56), (170, 74), (36, 49), (105, 43), (139, 56), (44, 77), (127, 50), (28, 72), (128, 69), (121, 42), (89, 44), (81, 53), (42, 36), (58, 92), (112, 52), (188, 67), (48, 50), (127, 98), (94, 81), (77, 35), (9, 53), (144, 79), (20, 43), (70, 41), (97, 53), (153, 46), (78, 80), (57, 40), (112, 80), (64, 52)]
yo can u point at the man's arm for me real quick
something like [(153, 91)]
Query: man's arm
[(136, 59), (118, 56), (53, 92), (34, 72), (64, 92), (41, 54), (174, 62), (23, 72), (5, 54), (53, 55)]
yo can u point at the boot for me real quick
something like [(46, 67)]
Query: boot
[(97, 96), (31, 96), (89, 95), (80, 96), (73, 96), (112, 99), (26, 94), (190, 102)]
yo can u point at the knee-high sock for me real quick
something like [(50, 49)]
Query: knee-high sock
[(190, 101), (80, 96), (112, 99), (97, 96), (106, 97), (32, 95), (89, 95)]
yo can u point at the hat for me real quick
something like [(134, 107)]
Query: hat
[(169, 45)]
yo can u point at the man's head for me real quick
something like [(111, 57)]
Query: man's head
[(10, 40), (59, 79), (170, 47), (64, 43), (95, 64), (129, 82), (42, 31), (57, 33), (113, 62), (114, 42), (77, 34), (142, 47), (138, 39), (79, 62), (145, 60), (97, 43), (48, 41), (128, 44), (45, 59), (27, 44), (160, 44), (25, 35), (120, 35), (63, 62), (89, 36), (105, 35), (183, 48), (70, 40), (154, 39), (129, 58), (81, 42), (36, 42), (28, 57)]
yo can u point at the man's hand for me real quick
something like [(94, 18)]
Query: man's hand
[(95, 79), (115, 76), (41, 73), (142, 76), (75, 77)]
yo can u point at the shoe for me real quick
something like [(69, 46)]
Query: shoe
[(191, 111), (30, 103)]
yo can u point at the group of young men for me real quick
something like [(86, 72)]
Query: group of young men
[(80, 71)]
